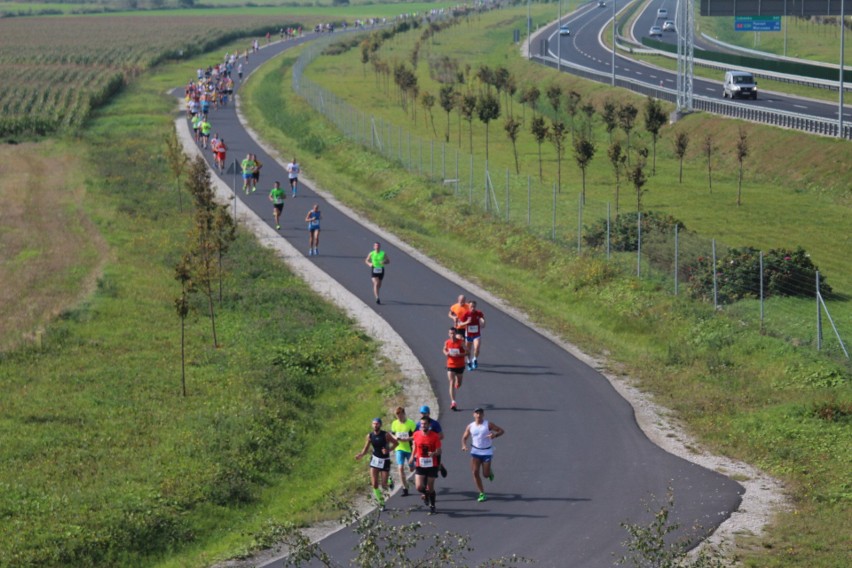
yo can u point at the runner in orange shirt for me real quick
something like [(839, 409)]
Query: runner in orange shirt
[(456, 308), (455, 353)]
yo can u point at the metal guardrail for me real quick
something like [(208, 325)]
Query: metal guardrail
[(793, 121)]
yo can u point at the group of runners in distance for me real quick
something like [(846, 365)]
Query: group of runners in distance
[(419, 445), (211, 90)]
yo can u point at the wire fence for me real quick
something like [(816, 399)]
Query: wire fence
[(783, 297)]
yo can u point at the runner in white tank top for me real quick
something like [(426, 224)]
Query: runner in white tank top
[(481, 434)]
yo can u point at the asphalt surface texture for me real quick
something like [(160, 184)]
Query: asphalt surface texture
[(573, 464)]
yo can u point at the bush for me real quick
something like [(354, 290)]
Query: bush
[(785, 273), (624, 233)]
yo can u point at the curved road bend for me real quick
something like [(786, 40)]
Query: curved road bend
[(584, 47), (573, 464)]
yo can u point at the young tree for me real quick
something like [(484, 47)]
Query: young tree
[(532, 96), (609, 114), (572, 105), (540, 132), (637, 176), (177, 161), (512, 128), (447, 98), (709, 146), (203, 241), (225, 233), (619, 163), (584, 151), (467, 108), (427, 99), (554, 96), (681, 143), (742, 153), (655, 118), (388, 544), (557, 138), (183, 274), (627, 120), (588, 111), (487, 109)]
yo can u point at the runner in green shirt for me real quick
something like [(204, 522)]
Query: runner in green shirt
[(248, 166), (206, 128), (277, 197), (402, 429), (376, 260)]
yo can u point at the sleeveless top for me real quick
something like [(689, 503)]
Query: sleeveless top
[(479, 438), (379, 441)]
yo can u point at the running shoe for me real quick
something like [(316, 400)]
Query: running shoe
[(482, 497), (475, 364), (311, 252), (278, 227), (390, 483), (423, 498), (469, 367), (491, 476), (453, 406), (431, 509), (378, 301), (405, 491), (443, 471)]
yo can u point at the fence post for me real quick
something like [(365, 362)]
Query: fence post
[(715, 282), (470, 184), (507, 195), (235, 191), (529, 185), (444, 161), (457, 172), (761, 292), (553, 215), (677, 226), (432, 159), (638, 243), (579, 221), (819, 316), (608, 216)]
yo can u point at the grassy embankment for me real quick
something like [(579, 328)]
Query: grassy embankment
[(118, 468), (756, 398)]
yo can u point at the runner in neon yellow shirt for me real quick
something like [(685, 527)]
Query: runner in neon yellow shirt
[(277, 197), (403, 429), (376, 260)]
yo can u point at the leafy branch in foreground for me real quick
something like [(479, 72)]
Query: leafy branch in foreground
[(648, 546), (385, 544)]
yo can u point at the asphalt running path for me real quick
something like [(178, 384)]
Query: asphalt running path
[(573, 463)]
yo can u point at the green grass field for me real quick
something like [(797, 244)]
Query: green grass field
[(759, 398), (121, 470)]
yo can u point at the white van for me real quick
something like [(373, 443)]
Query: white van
[(739, 84)]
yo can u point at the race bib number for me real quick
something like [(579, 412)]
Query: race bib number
[(377, 462), (473, 329), (378, 270), (425, 462), (402, 436), (454, 352)]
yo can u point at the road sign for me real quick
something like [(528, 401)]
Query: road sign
[(757, 23)]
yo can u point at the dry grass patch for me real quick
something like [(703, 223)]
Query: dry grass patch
[(50, 252)]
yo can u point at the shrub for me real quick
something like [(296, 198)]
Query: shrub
[(785, 273), (624, 232)]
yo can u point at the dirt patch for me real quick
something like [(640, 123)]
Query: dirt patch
[(50, 252)]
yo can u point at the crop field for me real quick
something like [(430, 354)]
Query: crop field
[(56, 70)]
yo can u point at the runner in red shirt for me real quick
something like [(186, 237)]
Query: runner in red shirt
[(473, 325), (426, 459), (455, 351)]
